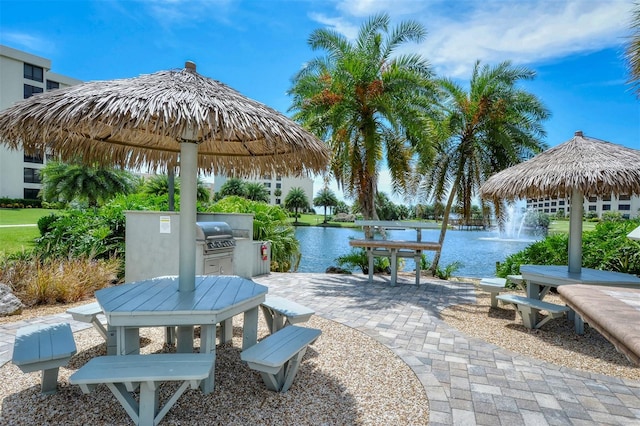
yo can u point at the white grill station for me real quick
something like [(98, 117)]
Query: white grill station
[(214, 245)]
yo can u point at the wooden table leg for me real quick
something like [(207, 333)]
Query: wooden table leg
[(394, 266), (250, 328), (208, 346)]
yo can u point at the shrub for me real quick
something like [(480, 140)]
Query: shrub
[(357, 258), (35, 281)]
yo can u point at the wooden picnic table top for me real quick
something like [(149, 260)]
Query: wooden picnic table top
[(396, 244), (397, 224)]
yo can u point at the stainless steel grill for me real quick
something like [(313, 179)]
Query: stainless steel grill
[(218, 244)]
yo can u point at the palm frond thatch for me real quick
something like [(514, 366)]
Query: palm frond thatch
[(140, 121), (594, 166)]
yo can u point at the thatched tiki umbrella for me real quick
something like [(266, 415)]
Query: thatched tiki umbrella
[(159, 120), (578, 167)]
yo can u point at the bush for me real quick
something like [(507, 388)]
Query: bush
[(45, 223), (19, 203), (606, 247), (35, 281), (357, 258)]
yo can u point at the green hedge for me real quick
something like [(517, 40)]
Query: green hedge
[(19, 203)]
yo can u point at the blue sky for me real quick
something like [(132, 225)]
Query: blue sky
[(575, 46)]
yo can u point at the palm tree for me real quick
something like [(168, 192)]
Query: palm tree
[(488, 128), (633, 50), (160, 185), (367, 103), (296, 199), (256, 191), (325, 198), (233, 186), (67, 182)]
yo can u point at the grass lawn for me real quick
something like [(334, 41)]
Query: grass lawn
[(562, 226), (317, 219), (22, 216), (17, 238)]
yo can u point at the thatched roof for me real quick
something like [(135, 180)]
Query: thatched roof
[(594, 166), (140, 122)]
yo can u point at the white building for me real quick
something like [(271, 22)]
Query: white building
[(22, 75), (626, 205), (273, 184)]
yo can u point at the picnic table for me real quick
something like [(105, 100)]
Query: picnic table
[(396, 248), (157, 302)]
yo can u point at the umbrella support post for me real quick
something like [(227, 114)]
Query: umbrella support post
[(575, 231)]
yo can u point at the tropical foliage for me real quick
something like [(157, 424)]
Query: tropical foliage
[(233, 186), (159, 185), (367, 103), (255, 191), (606, 247), (296, 199), (481, 130), (325, 198), (94, 185), (633, 50), (270, 223)]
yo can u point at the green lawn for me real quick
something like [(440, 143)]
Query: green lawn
[(18, 238), (22, 216), (562, 226)]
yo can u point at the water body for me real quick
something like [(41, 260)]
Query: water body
[(478, 251)]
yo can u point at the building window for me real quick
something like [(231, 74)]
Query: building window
[(267, 184), (593, 199), (52, 85), (33, 159), (546, 210), (553, 203), (626, 216), (33, 72), (278, 186), (606, 207), (624, 207), (553, 210), (30, 90), (31, 194), (606, 198), (625, 197), (31, 175), (592, 208), (278, 177), (561, 203), (546, 205), (278, 201)]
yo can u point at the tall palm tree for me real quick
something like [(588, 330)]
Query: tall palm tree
[(633, 50), (325, 198), (367, 103), (160, 185), (68, 182), (256, 191), (490, 127), (296, 199)]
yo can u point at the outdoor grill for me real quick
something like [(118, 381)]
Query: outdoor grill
[(216, 245)]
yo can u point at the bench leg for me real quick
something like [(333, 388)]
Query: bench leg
[(394, 266), (494, 299), (148, 403), (578, 323), (292, 370), (127, 401), (49, 384), (529, 315)]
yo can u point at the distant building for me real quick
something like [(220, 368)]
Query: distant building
[(24, 75), (274, 183), (626, 205)]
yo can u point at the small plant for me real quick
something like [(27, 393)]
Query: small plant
[(448, 271), (357, 258)]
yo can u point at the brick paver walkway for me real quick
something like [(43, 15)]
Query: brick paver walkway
[(468, 381)]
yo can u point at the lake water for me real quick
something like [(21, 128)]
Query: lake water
[(478, 251)]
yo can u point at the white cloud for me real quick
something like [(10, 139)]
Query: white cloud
[(524, 32), (28, 42)]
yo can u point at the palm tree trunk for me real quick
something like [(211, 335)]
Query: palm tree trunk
[(443, 230)]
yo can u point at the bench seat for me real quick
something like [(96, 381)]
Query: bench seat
[(278, 356), (613, 311), (124, 374), (280, 312), (44, 347), (494, 286), (529, 307)]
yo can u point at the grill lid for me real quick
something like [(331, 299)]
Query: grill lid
[(207, 231)]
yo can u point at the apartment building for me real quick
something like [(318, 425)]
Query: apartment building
[(21, 76), (278, 186), (627, 205)]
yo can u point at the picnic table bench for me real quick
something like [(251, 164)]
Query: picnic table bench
[(44, 347), (280, 312), (396, 248), (277, 357), (528, 309), (124, 374)]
